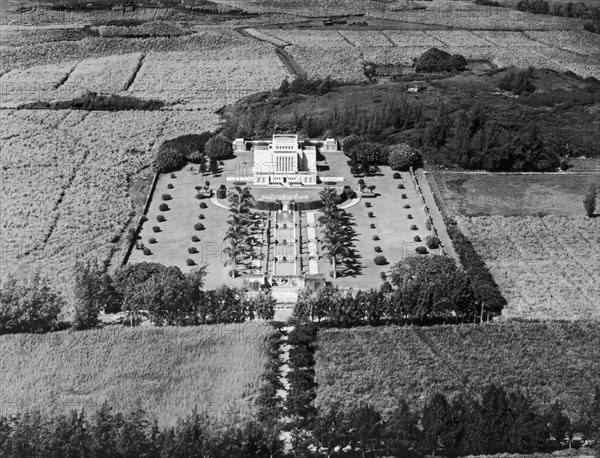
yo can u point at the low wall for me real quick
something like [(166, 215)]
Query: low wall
[(141, 221)]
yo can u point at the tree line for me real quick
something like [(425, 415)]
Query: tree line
[(590, 13), (164, 293), (489, 422)]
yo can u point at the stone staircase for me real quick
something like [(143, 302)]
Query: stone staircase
[(285, 295)]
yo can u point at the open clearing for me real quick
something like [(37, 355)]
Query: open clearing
[(169, 371), (550, 361), (475, 194)]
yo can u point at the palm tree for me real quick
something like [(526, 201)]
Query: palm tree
[(334, 244), (242, 196), (236, 235)]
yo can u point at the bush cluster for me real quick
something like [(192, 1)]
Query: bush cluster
[(438, 61)]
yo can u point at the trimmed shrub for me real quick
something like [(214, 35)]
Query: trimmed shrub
[(380, 260), (400, 186), (199, 226), (173, 175), (144, 218), (407, 206), (409, 216), (421, 250), (190, 262), (155, 229), (413, 227), (372, 226), (367, 204), (147, 251), (239, 183), (195, 238), (375, 237), (378, 249), (200, 196), (222, 193), (192, 250), (417, 238), (396, 175), (404, 196), (203, 205), (166, 197), (428, 224), (163, 207), (151, 240), (170, 186), (160, 218), (383, 275), (200, 216), (115, 238), (432, 242), (371, 215)]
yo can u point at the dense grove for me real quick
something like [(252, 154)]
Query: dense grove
[(425, 290), (494, 133)]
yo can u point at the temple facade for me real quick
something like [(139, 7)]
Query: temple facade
[(284, 160)]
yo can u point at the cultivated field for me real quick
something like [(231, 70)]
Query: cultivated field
[(168, 371), (204, 69), (546, 267), (65, 181), (341, 54), (554, 361)]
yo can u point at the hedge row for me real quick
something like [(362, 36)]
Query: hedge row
[(485, 288), (303, 389)]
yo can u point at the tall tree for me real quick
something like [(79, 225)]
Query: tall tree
[(93, 293), (365, 426), (437, 428), (589, 202)]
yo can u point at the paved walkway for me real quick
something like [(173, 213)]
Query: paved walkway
[(436, 215)]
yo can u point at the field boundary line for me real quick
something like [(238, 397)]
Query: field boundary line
[(137, 68), (436, 38), (339, 32), (445, 361), (64, 80), (382, 32)]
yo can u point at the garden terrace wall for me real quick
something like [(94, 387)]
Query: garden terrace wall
[(141, 221)]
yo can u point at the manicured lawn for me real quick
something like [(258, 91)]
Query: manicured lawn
[(392, 225), (175, 236), (170, 371)]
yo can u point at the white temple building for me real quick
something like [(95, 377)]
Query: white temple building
[(284, 160)]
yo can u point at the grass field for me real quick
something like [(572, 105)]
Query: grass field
[(168, 370), (550, 361), (474, 194)]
